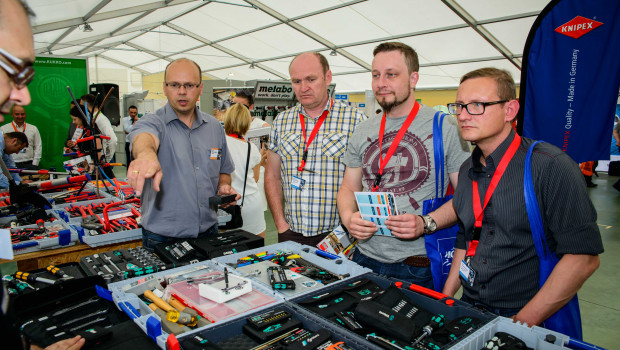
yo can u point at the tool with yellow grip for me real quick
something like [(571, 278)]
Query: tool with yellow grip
[(57, 271), (25, 276)]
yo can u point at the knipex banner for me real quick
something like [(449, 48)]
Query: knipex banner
[(571, 76)]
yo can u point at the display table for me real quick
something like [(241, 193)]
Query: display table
[(40, 259)]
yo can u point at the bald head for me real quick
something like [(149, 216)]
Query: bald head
[(322, 60), (183, 60)]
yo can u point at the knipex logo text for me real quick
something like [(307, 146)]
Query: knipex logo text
[(578, 27)]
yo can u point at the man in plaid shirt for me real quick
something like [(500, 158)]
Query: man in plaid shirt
[(304, 162)]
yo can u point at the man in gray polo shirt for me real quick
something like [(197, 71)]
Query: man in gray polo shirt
[(180, 160)]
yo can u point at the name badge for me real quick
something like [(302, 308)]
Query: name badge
[(298, 183), (467, 273), (216, 153)]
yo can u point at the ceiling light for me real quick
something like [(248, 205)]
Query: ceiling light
[(252, 66), (87, 27), (333, 53)]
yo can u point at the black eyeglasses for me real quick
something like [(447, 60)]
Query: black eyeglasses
[(187, 86), (473, 108), (20, 72)]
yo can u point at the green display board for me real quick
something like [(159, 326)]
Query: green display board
[(49, 109)]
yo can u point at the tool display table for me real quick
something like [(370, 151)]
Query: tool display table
[(42, 258)]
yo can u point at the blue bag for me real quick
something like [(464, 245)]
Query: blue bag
[(439, 245), (567, 320)]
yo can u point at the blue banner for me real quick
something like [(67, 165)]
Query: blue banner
[(571, 76)]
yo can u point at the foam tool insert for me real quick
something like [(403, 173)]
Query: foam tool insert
[(225, 288)]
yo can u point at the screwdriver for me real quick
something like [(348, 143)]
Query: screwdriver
[(25, 276), (57, 271), (435, 323)]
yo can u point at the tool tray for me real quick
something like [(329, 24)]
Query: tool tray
[(66, 237), (339, 266), (126, 295), (230, 335), (49, 316), (205, 248), (345, 296), (134, 260), (110, 237)]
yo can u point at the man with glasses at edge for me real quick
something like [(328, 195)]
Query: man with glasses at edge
[(16, 58), (180, 159), (495, 240)]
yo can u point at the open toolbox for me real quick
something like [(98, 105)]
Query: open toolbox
[(281, 325), (75, 212), (110, 227), (31, 216), (534, 337), (209, 247), (32, 238), (122, 264), (22, 282), (129, 296), (62, 199), (76, 306), (291, 269), (382, 311)]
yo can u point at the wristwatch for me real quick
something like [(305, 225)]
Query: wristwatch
[(430, 226)]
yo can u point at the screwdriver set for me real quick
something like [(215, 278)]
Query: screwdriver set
[(25, 282), (121, 264)]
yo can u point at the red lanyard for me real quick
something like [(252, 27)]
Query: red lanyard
[(15, 128), (399, 136), (237, 136), (478, 209), (315, 131)]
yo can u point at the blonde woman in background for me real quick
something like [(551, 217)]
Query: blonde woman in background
[(237, 122)]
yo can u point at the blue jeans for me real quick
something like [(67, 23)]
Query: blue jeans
[(417, 275), (504, 312), (151, 239)]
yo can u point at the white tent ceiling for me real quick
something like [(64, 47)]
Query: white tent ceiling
[(451, 37)]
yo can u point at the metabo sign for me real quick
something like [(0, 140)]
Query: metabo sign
[(275, 91)]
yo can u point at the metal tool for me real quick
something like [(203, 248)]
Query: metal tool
[(436, 322), (237, 286)]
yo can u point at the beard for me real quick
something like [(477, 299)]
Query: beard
[(388, 106)]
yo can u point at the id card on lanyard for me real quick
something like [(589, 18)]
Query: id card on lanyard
[(465, 270), (297, 182)]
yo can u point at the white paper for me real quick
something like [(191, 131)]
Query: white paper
[(6, 247)]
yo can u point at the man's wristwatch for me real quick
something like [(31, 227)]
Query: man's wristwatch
[(430, 226)]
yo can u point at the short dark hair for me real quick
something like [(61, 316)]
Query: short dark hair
[(506, 89), (319, 56), (247, 94), (132, 106), (20, 136), (88, 98), (183, 59), (411, 57)]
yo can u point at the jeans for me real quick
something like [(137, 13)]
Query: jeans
[(151, 239), (504, 312), (417, 275)]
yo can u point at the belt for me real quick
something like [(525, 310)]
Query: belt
[(417, 261)]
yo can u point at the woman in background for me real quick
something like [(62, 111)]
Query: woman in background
[(237, 122), (78, 131)]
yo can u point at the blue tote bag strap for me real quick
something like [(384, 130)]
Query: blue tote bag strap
[(567, 320), (533, 211), (440, 245), (439, 154)]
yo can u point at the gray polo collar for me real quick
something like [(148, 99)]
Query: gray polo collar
[(171, 115)]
